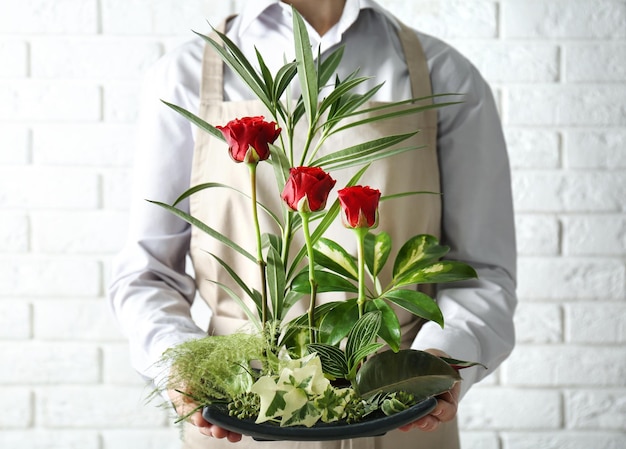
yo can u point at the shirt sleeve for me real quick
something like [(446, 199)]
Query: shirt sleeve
[(150, 292), (477, 222)]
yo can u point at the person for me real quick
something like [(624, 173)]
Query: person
[(151, 293)]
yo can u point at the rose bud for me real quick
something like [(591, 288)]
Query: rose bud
[(307, 189), (248, 138), (359, 205)]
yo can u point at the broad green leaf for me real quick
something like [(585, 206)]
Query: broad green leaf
[(417, 303), (361, 353), (361, 150), (438, 272), (197, 121), (254, 319), (276, 280), (362, 334), (333, 256), (206, 229), (377, 249), (416, 372), (418, 250), (306, 66), (390, 326), (327, 282), (299, 324), (337, 322), (333, 359), (291, 298)]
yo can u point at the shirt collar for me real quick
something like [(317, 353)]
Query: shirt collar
[(254, 9)]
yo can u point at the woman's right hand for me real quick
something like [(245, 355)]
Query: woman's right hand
[(184, 405)]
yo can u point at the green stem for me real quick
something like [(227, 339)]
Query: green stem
[(360, 235), (259, 257), (309, 248)]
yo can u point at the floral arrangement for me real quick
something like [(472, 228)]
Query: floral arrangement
[(325, 365)]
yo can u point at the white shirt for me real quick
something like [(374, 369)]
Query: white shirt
[(150, 293)]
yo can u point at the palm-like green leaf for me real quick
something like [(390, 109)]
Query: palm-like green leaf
[(418, 303), (206, 229), (333, 256), (418, 251), (376, 251), (337, 322), (438, 272)]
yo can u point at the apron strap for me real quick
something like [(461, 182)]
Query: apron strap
[(212, 82), (419, 73)]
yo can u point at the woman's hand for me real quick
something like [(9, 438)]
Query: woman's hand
[(447, 406), (184, 405)]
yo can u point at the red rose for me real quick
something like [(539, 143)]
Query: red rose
[(307, 189), (248, 138), (359, 205)]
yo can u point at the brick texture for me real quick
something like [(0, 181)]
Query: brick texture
[(69, 84)]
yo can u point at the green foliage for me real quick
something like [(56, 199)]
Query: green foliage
[(416, 372), (215, 368), (360, 344)]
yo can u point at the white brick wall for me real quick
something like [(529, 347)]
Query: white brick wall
[(69, 75)]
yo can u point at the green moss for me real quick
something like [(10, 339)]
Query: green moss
[(215, 368)]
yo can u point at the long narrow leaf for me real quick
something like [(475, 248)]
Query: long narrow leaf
[(394, 114), (208, 185), (233, 274), (276, 280), (204, 228), (341, 90), (306, 66), (284, 76), (369, 158), (197, 121), (251, 316), (403, 194), (329, 65), (361, 150), (241, 67)]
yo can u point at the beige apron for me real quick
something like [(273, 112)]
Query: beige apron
[(230, 213)]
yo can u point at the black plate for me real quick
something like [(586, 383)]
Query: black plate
[(373, 425)]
